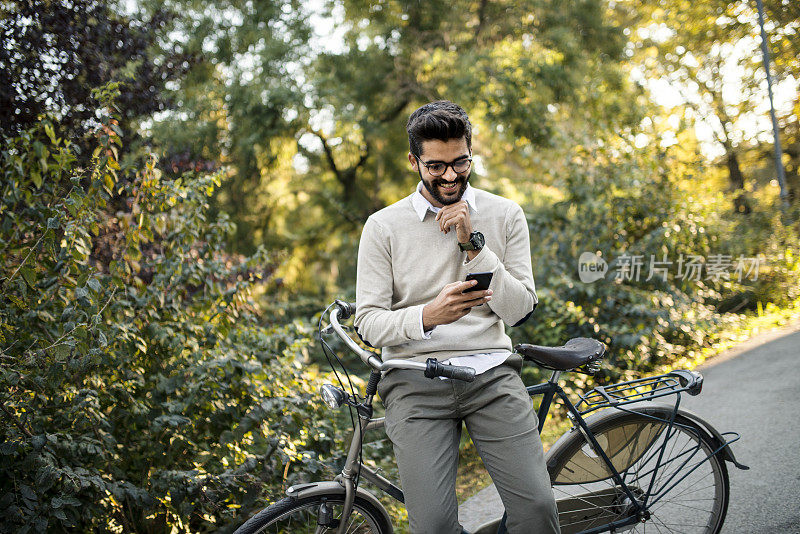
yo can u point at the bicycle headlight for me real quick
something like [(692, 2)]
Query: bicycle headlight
[(332, 396)]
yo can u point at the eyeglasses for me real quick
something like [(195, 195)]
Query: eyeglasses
[(438, 168)]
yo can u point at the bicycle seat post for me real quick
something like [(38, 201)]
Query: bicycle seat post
[(547, 399)]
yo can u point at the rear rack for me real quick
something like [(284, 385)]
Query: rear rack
[(639, 390)]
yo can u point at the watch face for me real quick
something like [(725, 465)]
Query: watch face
[(477, 240)]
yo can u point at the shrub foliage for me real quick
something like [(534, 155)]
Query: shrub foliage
[(139, 392)]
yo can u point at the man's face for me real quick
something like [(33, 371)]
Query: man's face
[(448, 188)]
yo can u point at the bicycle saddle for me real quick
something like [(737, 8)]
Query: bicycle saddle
[(576, 352)]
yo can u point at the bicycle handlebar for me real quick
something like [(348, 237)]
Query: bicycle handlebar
[(431, 368)]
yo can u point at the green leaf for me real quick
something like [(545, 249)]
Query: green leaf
[(48, 129), (95, 285), (81, 292), (53, 222), (38, 441), (29, 275), (37, 178), (6, 500), (27, 492)]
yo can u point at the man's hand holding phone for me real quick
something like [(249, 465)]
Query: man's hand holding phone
[(453, 302)]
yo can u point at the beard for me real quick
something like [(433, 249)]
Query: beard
[(442, 197)]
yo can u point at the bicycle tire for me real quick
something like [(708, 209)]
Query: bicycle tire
[(298, 515), (589, 498)]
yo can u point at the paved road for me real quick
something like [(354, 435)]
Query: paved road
[(753, 389)]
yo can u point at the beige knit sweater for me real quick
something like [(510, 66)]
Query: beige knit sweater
[(403, 263)]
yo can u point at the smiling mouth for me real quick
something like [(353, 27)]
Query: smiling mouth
[(449, 187)]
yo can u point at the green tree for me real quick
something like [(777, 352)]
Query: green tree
[(312, 138), (238, 102), (55, 52), (709, 52), (520, 70)]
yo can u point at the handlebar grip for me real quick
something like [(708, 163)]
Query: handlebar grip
[(346, 309), (466, 374), (434, 369)]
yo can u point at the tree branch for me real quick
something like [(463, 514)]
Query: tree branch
[(328, 154), (481, 18), (14, 419)]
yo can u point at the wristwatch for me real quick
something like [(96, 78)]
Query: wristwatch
[(476, 242)]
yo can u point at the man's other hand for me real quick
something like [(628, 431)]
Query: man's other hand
[(451, 304), (456, 215)]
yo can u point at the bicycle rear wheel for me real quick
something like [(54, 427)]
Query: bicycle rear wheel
[(687, 483), (300, 516)]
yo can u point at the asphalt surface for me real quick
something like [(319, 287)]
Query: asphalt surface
[(753, 389)]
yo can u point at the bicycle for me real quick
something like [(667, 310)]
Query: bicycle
[(630, 464)]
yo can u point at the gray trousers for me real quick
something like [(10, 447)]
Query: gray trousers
[(423, 421)]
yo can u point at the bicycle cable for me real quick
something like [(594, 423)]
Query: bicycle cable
[(328, 351)]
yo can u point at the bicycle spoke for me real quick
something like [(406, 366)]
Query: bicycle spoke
[(657, 520), (686, 490)]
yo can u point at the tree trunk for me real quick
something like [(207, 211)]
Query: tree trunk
[(793, 186), (741, 203)]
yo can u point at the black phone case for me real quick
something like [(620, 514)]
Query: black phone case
[(484, 279)]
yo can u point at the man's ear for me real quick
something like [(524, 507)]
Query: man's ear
[(412, 160)]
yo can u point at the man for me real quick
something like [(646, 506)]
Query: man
[(412, 261)]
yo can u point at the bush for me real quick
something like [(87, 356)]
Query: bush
[(140, 392)]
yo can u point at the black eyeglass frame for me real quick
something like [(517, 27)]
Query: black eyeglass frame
[(452, 165)]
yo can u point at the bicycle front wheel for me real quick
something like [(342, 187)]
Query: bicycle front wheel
[(318, 514), (673, 471)]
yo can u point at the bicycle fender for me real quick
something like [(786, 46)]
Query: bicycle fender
[(328, 487), (713, 433), (727, 453)]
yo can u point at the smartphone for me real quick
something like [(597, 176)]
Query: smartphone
[(484, 279)]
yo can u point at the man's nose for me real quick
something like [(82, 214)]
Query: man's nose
[(449, 174)]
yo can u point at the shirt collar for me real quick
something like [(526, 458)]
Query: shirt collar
[(422, 205)]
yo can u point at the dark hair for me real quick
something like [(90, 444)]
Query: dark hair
[(441, 120)]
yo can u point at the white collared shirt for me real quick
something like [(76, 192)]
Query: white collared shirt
[(481, 362)]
